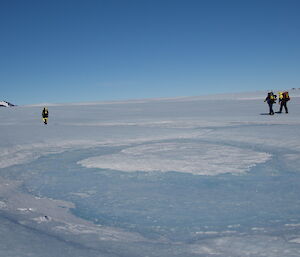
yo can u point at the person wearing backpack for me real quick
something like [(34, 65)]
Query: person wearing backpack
[(270, 99), (45, 115), (283, 99)]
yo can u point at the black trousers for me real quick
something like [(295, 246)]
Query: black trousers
[(270, 108), (283, 104)]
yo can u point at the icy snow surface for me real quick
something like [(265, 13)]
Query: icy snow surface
[(191, 157), (200, 176)]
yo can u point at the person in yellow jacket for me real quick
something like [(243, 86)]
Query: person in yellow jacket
[(45, 115), (283, 99)]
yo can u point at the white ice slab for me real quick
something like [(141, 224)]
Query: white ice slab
[(195, 158)]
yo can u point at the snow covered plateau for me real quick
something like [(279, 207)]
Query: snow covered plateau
[(193, 176)]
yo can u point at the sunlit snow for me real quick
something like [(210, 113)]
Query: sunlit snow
[(195, 158), (200, 176)]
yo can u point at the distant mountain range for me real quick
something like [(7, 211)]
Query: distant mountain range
[(6, 104)]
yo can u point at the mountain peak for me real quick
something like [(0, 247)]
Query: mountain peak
[(6, 104)]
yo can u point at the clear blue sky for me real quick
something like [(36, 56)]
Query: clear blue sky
[(85, 50)]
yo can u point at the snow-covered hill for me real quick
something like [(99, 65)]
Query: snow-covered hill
[(6, 104), (256, 95)]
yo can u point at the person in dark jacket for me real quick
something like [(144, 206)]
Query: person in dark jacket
[(283, 99), (45, 115), (271, 99)]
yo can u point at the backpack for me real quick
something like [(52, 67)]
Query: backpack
[(285, 96), (272, 97)]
